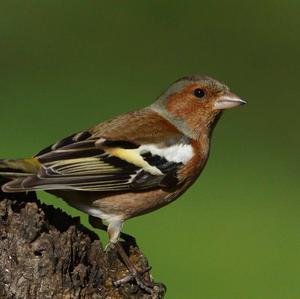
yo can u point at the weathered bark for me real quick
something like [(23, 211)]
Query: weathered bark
[(44, 253)]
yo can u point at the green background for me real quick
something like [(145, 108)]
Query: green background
[(66, 65)]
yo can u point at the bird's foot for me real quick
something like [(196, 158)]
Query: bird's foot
[(142, 278), (134, 275), (131, 241), (109, 246)]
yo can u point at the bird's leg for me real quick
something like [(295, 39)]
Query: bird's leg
[(134, 273), (97, 223), (114, 232)]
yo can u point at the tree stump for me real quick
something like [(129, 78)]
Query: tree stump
[(44, 253)]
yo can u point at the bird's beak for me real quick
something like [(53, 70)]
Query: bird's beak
[(228, 100)]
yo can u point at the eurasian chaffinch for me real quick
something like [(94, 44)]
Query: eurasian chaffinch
[(132, 164)]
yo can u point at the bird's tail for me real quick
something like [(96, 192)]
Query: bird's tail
[(19, 168)]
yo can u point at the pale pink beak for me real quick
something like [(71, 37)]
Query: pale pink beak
[(228, 100)]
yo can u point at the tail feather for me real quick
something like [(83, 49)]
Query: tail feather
[(15, 185), (14, 172), (19, 168), (12, 175)]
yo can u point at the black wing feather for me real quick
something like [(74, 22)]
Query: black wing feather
[(77, 163)]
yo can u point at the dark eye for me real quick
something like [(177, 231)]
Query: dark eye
[(199, 93)]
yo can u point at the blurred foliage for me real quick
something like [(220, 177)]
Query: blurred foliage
[(66, 65)]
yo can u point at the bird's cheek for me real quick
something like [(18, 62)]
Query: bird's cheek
[(179, 106)]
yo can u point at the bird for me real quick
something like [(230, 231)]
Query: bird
[(131, 164)]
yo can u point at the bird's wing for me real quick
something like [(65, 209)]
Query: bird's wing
[(91, 161)]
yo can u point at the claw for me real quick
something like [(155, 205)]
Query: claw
[(134, 274), (137, 276), (108, 247)]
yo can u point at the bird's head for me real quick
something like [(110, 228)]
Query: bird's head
[(194, 102)]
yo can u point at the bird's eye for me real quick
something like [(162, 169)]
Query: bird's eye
[(199, 93)]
